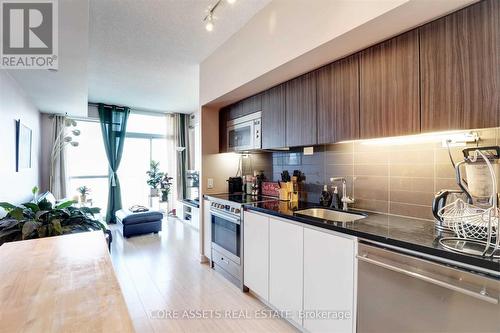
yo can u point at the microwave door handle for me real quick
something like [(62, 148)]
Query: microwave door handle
[(482, 295)]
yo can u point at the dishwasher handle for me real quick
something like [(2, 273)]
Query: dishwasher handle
[(481, 295)]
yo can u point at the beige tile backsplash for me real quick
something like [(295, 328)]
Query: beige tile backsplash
[(396, 179)]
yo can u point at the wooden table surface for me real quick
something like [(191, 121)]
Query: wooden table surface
[(60, 284)]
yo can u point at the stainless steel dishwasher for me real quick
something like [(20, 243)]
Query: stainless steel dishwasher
[(402, 293)]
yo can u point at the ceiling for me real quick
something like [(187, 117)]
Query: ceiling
[(140, 53)]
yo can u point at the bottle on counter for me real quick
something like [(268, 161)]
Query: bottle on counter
[(336, 202)]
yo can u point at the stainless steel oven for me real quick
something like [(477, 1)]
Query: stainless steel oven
[(244, 133), (227, 247)]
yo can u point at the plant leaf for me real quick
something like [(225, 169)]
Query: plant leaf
[(7, 206), (40, 213), (17, 213), (34, 207), (56, 227), (28, 228), (65, 204), (44, 204)]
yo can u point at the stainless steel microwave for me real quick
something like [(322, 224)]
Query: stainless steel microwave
[(244, 133)]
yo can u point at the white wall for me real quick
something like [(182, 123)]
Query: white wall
[(291, 37), (15, 186)]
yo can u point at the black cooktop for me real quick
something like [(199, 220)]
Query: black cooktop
[(241, 198)]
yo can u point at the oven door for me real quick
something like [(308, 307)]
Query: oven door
[(226, 235)]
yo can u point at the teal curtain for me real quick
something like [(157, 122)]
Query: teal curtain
[(113, 127)]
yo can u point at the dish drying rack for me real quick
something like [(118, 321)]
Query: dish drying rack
[(477, 229)]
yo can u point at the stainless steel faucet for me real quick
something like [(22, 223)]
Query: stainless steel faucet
[(346, 200)]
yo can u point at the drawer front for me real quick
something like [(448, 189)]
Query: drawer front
[(225, 263)]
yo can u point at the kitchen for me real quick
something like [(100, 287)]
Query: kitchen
[(389, 123)]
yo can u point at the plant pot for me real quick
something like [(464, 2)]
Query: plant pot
[(164, 196), (154, 192)]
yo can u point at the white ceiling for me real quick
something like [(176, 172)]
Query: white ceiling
[(141, 53)]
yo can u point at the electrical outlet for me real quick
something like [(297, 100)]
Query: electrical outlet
[(210, 183)]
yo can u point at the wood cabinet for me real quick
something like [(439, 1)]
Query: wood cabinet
[(273, 118), (256, 253), (460, 69), (389, 88), (329, 280), (301, 127), (338, 101), (223, 118), (245, 107), (286, 267)]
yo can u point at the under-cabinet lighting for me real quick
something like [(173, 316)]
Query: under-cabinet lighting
[(451, 138)]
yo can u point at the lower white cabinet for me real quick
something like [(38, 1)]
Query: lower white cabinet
[(329, 282), (256, 254), (307, 274), (286, 267)]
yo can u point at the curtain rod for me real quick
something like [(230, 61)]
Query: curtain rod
[(136, 110)]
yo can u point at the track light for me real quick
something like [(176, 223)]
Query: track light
[(209, 25)]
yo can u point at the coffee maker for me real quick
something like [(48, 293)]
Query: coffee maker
[(475, 184)]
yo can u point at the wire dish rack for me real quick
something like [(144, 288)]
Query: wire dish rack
[(477, 229)]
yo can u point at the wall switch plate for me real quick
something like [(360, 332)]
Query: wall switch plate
[(210, 183), (308, 150)]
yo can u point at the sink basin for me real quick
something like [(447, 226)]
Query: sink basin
[(331, 215)]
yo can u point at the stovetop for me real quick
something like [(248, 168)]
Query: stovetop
[(241, 198)]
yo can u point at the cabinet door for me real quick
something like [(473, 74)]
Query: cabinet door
[(273, 118), (460, 69), (245, 107), (338, 101), (256, 254), (328, 280), (301, 128), (286, 267), (223, 118), (389, 92)]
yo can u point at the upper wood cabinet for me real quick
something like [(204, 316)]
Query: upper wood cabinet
[(273, 118), (389, 88), (301, 128), (245, 107), (338, 101), (460, 69), (223, 118)]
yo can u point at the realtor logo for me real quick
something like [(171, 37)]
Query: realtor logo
[(29, 34)]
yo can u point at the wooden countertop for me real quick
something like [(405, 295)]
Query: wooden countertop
[(60, 284)]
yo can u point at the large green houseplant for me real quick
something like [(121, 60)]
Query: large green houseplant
[(41, 219)]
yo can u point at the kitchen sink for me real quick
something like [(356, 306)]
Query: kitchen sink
[(331, 215)]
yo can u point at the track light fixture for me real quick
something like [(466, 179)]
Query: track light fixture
[(209, 18)]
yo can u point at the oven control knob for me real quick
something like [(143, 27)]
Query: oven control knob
[(237, 210)]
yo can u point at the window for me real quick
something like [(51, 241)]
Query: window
[(88, 165)]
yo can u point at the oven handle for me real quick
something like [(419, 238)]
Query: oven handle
[(225, 216), (482, 295)]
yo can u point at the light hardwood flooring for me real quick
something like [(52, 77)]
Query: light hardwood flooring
[(162, 273)]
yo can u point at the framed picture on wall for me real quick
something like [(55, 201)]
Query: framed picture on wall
[(23, 146)]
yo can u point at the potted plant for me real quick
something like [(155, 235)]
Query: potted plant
[(41, 219), (84, 191), (155, 177), (166, 186)]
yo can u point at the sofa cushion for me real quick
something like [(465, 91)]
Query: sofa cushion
[(126, 217)]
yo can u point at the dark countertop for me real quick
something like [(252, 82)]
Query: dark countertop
[(407, 233)]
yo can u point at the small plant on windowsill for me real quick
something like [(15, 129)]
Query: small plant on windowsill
[(155, 177), (84, 191), (166, 187)]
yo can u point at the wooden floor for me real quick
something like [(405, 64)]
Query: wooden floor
[(160, 276)]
